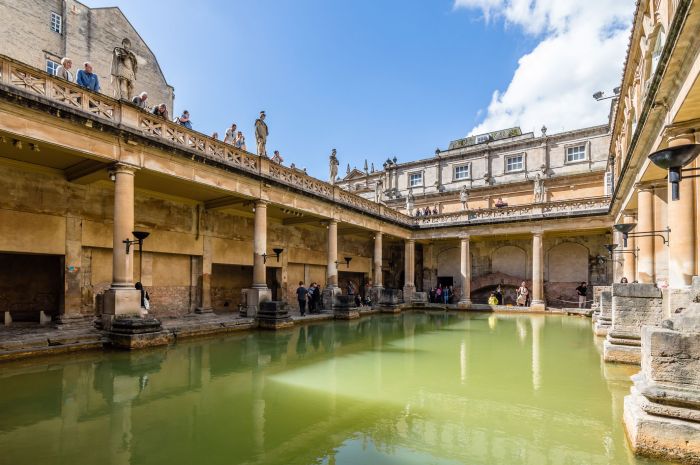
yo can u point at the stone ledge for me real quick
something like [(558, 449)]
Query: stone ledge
[(631, 355), (638, 290)]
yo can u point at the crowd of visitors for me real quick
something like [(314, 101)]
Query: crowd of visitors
[(310, 297), (441, 295), (427, 211)]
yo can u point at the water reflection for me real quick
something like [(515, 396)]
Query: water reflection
[(413, 388)]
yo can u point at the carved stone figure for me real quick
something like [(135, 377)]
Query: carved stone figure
[(410, 200), (333, 165), (124, 67), (538, 194), (464, 197), (261, 133), (378, 191)]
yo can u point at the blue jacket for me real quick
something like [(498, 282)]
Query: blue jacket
[(89, 81)]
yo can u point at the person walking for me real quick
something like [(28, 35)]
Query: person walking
[(301, 297), (582, 291)]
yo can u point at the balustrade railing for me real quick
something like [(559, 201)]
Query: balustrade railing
[(34, 81)]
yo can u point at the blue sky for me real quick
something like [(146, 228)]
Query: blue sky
[(371, 78)]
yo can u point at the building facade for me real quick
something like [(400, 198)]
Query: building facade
[(42, 32)]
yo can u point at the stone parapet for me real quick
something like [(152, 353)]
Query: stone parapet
[(273, 315), (633, 306), (662, 412)]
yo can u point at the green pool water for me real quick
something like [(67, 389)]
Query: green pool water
[(418, 388)]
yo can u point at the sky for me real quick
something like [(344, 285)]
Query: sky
[(376, 79)]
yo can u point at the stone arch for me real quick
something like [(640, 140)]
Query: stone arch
[(567, 262), (509, 260)]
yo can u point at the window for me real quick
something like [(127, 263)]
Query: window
[(415, 179), (483, 138), (608, 183), (51, 67), (56, 22), (515, 163), (461, 172), (576, 153)]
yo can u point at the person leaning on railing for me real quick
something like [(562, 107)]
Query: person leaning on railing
[(62, 70), (161, 110), (88, 79)]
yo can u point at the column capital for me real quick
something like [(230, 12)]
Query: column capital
[(464, 237), (410, 241), (260, 203), (125, 168)]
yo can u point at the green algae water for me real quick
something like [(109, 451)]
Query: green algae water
[(418, 388)]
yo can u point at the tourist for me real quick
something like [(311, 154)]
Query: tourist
[(63, 70), (522, 295), (500, 203), (435, 210), (215, 135), (493, 300), (431, 295), (438, 294), (317, 298), (184, 120), (351, 288), (231, 133), (358, 300), (88, 79), (145, 298), (623, 280), (446, 295), (140, 100), (239, 142), (301, 297), (419, 212), (426, 211), (499, 294), (161, 110), (582, 291), (277, 158), (451, 294)]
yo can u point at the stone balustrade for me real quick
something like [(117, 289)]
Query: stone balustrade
[(16, 76), (555, 209)]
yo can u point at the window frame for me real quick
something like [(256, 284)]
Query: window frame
[(507, 158), (608, 183), (410, 176), (574, 146), (55, 66), (468, 167), (56, 23)]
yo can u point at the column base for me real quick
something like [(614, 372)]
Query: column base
[(622, 349), (538, 306), (601, 327), (273, 315), (120, 301), (135, 332), (203, 310), (408, 292), (344, 308), (329, 295), (464, 304), (254, 297)]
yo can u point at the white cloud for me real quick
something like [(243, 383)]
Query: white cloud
[(582, 49)]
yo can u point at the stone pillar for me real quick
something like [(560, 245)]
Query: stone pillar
[(332, 289), (629, 268), (681, 220), (645, 222), (465, 263), (122, 298), (205, 285), (537, 302), (72, 297), (378, 278), (604, 321), (409, 285), (259, 292), (661, 413), (633, 306), (617, 259)]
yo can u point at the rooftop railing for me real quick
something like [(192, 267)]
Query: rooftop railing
[(24, 78)]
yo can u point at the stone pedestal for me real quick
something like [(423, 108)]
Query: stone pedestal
[(328, 297), (344, 308), (255, 297), (273, 315), (604, 320), (389, 302), (633, 306), (408, 292), (120, 302), (662, 413), (595, 306), (133, 332), (419, 299)]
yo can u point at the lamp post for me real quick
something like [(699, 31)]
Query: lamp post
[(140, 236), (625, 229), (277, 253), (674, 159)]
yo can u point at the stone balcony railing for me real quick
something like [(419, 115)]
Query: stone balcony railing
[(556, 209), (19, 78)]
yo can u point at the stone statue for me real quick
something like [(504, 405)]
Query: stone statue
[(261, 133), (333, 162), (464, 197), (372, 169), (409, 201), (124, 67), (538, 194), (378, 191)]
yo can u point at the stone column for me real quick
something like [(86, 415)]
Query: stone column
[(537, 302), (629, 268), (259, 292), (645, 222), (409, 285), (465, 272), (332, 290), (122, 298), (205, 285), (681, 220), (378, 281), (72, 298)]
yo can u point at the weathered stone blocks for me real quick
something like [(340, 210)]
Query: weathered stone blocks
[(604, 320), (344, 307), (273, 315), (633, 306)]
